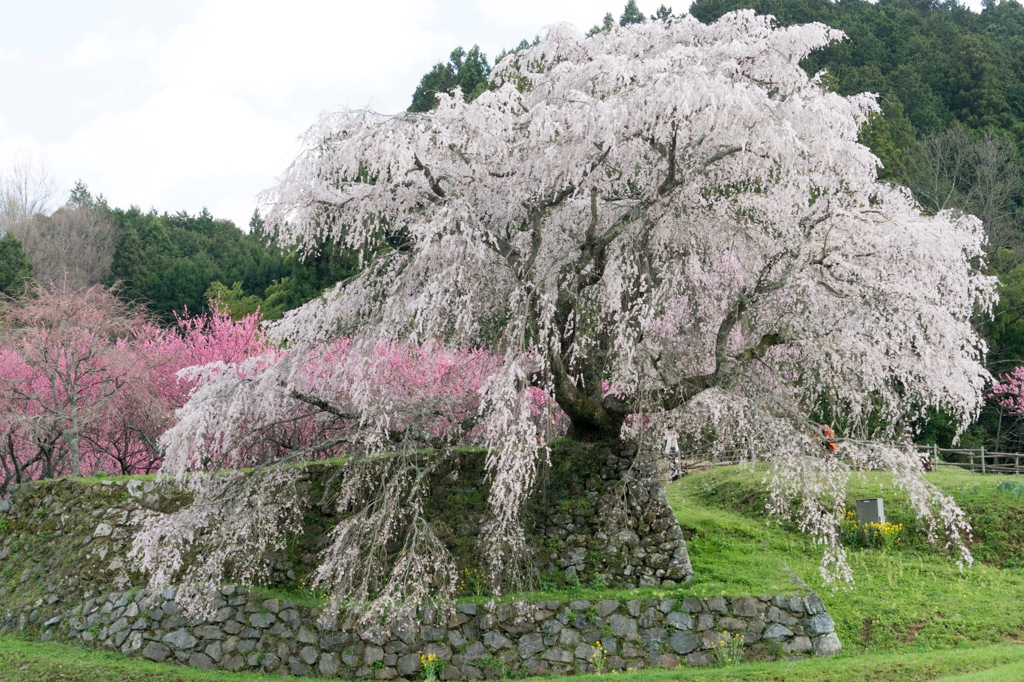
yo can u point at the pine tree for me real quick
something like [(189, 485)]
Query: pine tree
[(631, 14)]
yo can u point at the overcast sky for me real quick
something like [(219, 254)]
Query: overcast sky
[(192, 103)]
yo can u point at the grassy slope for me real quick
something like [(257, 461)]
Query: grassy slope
[(912, 615), (912, 597)]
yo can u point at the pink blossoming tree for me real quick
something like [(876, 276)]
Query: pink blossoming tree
[(668, 220), (88, 384)]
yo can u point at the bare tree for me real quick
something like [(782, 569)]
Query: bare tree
[(74, 245), (978, 174), (26, 189)]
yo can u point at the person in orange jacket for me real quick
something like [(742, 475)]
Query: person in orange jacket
[(828, 438)]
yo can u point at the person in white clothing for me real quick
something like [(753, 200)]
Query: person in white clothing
[(672, 451)]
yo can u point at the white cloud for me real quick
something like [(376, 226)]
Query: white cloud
[(271, 52), (10, 55), (197, 103), (527, 17), (180, 137), (111, 44)]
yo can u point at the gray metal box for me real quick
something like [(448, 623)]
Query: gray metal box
[(870, 510)]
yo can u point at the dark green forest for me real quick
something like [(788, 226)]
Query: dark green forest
[(950, 83)]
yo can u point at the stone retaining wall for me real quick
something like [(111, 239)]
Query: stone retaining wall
[(251, 632), (599, 516)]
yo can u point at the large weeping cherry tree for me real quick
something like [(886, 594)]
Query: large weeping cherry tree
[(666, 223)]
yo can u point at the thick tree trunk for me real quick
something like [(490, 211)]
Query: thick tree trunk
[(585, 431), (590, 421)]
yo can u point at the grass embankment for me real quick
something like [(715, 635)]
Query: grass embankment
[(912, 615), (910, 596)]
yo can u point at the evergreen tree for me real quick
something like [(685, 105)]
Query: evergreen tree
[(663, 14), (606, 25), (80, 196), (467, 71), (15, 268), (631, 14)]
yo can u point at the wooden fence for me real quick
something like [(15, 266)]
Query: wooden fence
[(975, 459), (972, 459)]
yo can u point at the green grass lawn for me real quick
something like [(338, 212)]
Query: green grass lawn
[(911, 615)]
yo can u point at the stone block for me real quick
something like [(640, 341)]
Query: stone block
[(748, 607), (373, 654), (262, 620), (442, 651), (308, 655), (475, 652), (179, 639), (813, 605), (297, 667), (233, 663), (716, 604), (732, 624), (679, 620), (584, 652), (683, 642), (691, 605), (530, 645), (409, 665), (470, 672), (623, 627), (569, 637), (653, 638), (245, 646), (557, 655), (457, 639), (700, 658), (208, 632), (495, 641), (650, 617), (214, 650), (798, 645), (200, 660), (819, 624), (827, 645), (536, 667), (776, 632), (155, 651), (667, 661)]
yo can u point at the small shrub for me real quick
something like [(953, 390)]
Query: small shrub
[(431, 666), (728, 650), (1012, 488), (573, 584), (878, 535), (598, 659), (472, 581)]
